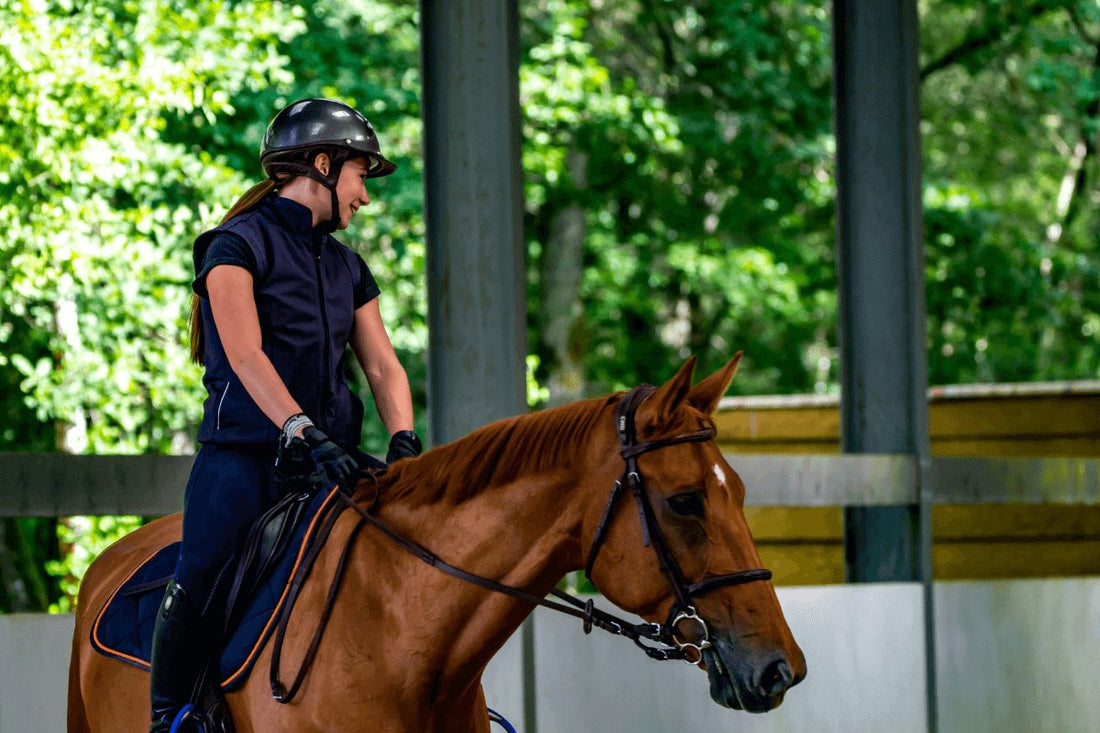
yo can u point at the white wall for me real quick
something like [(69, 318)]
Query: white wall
[(864, 653), (34, 672), (1020, 656)]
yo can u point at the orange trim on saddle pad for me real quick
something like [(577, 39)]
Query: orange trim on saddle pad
[(107, 650), (97, 642), (248, 661)]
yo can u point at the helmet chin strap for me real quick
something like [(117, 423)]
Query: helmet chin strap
[(333, 223), (336, 158)]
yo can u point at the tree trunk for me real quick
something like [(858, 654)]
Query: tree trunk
[(561, 271)]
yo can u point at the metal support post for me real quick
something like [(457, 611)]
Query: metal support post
[(474, 212), (477, 343), (880, 262)]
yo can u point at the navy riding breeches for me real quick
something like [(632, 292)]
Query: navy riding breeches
[(229, 488)]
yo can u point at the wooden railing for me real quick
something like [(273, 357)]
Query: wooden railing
[(1034, 516)]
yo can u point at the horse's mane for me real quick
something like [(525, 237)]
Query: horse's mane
[(497, 453)]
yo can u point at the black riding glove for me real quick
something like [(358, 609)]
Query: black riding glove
[(332, 462), (294, 467), (312, 461), (403, 444)]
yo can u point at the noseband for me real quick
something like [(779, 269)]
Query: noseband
[(683, 610)]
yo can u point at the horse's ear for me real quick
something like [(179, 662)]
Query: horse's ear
[(672, 393), (706, 395)]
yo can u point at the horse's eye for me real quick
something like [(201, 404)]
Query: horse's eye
[(689, 504)]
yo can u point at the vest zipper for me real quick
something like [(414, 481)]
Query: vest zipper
[(322, 418)]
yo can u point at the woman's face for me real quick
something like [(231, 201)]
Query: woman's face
[(351, 189)]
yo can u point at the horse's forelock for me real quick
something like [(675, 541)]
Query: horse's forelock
[(685, 419)]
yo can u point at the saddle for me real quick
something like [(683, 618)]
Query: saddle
[(267, 541), (257, 578), (265, 573)]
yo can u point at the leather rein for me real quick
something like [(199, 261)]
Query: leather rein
[(658, 641)]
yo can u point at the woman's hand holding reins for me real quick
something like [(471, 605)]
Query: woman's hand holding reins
[(404, 444), (313, 456), (330, 459)]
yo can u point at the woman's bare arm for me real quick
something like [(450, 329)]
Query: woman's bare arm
[(388, 381)]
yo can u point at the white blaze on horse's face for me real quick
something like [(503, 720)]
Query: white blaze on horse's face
[(720, 474)]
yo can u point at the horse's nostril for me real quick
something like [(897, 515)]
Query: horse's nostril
[(775, 678)]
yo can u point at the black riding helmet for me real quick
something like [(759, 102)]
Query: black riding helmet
[(305, 129)]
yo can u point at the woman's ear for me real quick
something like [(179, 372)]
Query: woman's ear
[(322, 163)]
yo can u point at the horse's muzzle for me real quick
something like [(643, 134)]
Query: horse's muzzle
[(749, 680)]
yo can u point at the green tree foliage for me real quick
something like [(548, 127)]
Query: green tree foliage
[(707, 130), (679, 182), (26, 546), (98, 207), (1011, 108), (709, 199)]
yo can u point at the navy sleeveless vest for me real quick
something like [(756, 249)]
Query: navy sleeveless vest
[(304, 290)]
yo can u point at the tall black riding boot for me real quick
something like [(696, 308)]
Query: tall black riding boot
[(179, 652)]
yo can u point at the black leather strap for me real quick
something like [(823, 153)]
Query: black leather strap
[(589, 614), (630, 449)]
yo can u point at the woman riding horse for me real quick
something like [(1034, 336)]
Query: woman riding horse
[(277, 301), (516, 504)]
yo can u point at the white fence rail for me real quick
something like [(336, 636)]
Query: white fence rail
[(1019, 656)]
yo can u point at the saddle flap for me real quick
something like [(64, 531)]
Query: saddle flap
[(267, 541)]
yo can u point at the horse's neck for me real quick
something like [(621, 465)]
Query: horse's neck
[(524, 534)]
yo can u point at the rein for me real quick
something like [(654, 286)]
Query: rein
[(658, 641)]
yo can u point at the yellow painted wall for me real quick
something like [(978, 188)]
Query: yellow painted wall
[(804, 545)]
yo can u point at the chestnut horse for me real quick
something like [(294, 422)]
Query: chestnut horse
[(521, 501)]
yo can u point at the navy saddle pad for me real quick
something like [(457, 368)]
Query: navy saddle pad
[(124, 627)]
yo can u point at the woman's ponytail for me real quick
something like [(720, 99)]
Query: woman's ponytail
[(251, 198)]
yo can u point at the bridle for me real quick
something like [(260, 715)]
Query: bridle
[(658, 641), (683, 609)]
